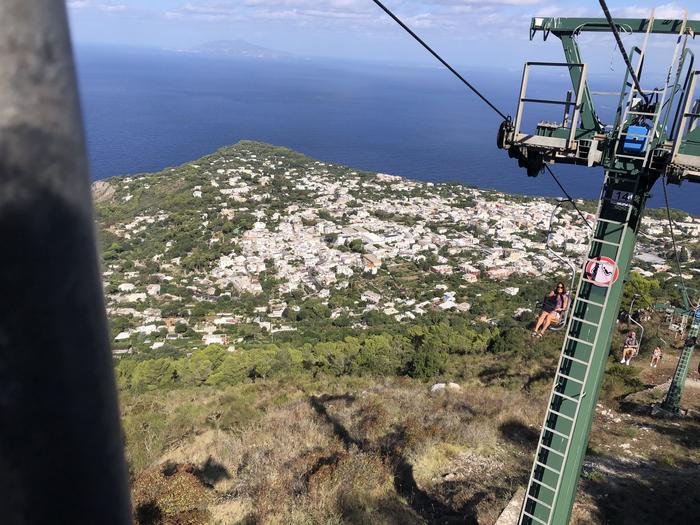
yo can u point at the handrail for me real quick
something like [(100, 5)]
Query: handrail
[(686, 112), (639, 325), (522, 99)]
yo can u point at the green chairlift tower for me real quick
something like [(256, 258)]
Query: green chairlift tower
[(654, 135), (671, 403)]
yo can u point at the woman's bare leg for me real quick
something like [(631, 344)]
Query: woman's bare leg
[(547, 321), (540, 320)]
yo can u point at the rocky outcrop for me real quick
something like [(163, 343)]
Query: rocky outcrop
[(102, 191)]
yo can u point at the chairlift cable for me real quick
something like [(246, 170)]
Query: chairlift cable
[(439, 58), (568, 197), (675, 249), (476, 91), (623, 52)]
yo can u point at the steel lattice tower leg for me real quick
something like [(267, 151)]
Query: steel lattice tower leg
[(672, 402)]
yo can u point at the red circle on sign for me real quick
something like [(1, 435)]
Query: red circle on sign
[(602, 271)]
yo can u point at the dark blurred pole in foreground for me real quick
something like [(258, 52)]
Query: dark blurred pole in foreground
[(61, 457)]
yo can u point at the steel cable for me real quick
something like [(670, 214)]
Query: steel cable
[(439, 58)]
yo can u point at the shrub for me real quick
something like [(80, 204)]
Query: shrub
[(172, 495), (620, 381), (426, 364), (515, 340)]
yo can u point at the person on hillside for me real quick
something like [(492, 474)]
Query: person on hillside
[(630, 348), (656, 357), (555, 303)]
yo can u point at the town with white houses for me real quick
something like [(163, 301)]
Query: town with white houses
[(264, 230)]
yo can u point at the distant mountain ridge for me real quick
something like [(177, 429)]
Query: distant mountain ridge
[(238, 48)]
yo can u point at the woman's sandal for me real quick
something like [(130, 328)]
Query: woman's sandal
[(533, 334), (539, 336)]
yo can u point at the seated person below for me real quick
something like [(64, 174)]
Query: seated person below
[(555, 302), (656, 357), (630, 348)]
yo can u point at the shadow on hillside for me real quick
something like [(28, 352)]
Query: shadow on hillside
[(211, 472), (519, 434), (648, 495), (494, 374), (148, 514), (318, 403), (686, 435), (633, 406), (208, 473), (392, 449), (385, 511), (546, 375)]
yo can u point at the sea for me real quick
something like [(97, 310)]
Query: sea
[(146, 110)]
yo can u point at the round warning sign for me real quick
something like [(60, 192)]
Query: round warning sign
[(602, 271)]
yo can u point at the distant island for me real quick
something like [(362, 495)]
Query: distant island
[(237, 48)]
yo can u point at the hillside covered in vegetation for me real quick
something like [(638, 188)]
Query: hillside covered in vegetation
[(300, 342)]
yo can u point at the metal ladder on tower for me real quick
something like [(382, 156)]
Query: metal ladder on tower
[(651, 135), (582, 335)]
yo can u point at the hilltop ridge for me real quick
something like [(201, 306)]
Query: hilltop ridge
[(238, 48), (297, 341), (274, 228)]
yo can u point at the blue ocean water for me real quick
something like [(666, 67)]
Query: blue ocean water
[(147, 110)]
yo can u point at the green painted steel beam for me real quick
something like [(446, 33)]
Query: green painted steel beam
[(676, 309), (565, 432), (589, 119), (572, 26), (566, 429), (562, 511)]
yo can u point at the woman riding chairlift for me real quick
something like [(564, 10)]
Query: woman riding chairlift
[(632, 343), (555, 306)]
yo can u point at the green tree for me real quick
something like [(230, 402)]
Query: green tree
[(645, 289), (124, 372), (341, 321), (426, 364), (377, 356), (515, 340), (153, 374), (356, 245), (313, 309)]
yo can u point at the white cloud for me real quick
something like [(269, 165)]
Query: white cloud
[(670, 10), (300, 12), (482, 3), (100, 6), (360, 15), (79, 4)]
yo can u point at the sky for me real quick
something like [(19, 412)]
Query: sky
[(472, 33)]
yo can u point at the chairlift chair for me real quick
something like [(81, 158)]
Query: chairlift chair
[(639, 326), (571, 269)]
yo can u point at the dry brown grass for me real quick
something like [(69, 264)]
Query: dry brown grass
[(380, 453), (172, 495), (356, 451)]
